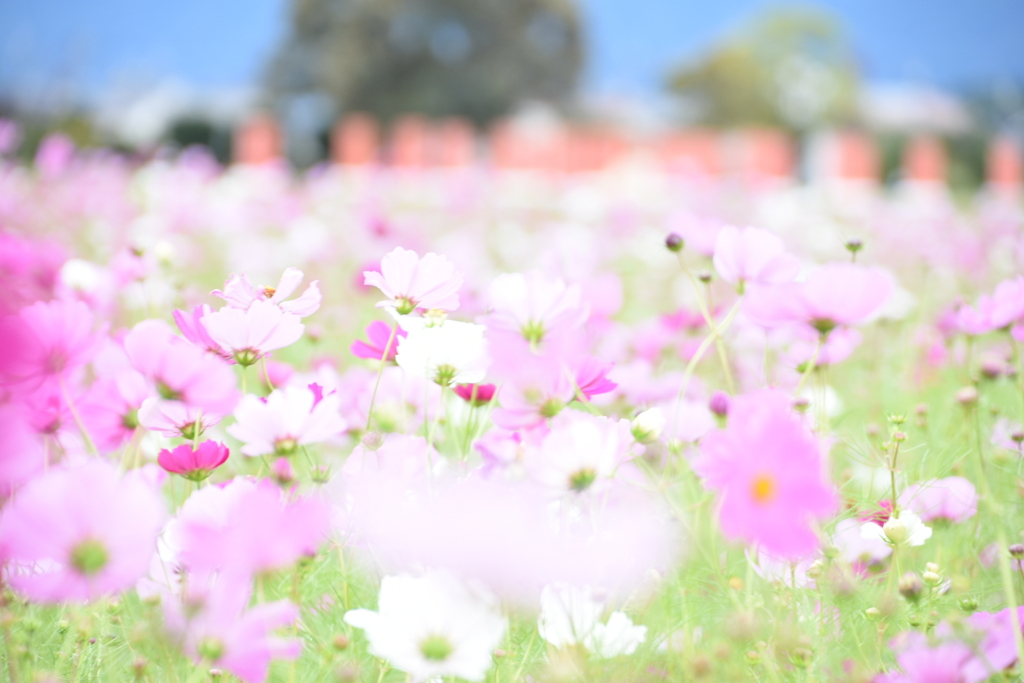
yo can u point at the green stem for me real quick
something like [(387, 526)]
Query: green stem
[(811, 364), (380, 372), (709, 320)]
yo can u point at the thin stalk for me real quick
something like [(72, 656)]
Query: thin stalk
[(380, 373), (811, 364), (89, 445), (709, 320)]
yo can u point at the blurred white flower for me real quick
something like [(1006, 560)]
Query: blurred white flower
[(571, 616), (906, 529), (447, 353)]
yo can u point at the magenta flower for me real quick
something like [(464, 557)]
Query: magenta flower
[(80, 533), (753, 256), (249, 334), (215, 624), (477, 394), (52, 339), (768, 471), (195, 465), (411, 282), (261, 530), (953, 499), (378, 332), (240, 294), (835, 294)]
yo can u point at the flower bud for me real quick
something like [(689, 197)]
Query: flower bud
[(719, 404), (911, 586), (854, 245), (705, 276), (1016, 550), (282, 472), (674, 242), (896, 531), (648, 425), (968, 605), (931, 578), (932, 567), (873, 614), (340, 642), (899, 437), (967, 396)]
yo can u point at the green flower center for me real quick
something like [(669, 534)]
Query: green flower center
[(436, 648), (445, 375), (286, 446), (166, 392), (405, 306), (211, 649), (580, 480), (247, 357), (89, 557)]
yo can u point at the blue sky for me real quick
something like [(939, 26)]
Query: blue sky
[(225, 42)]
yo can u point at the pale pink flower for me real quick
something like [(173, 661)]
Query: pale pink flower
[(79, 533), (1009, 435), (753, 256), (215, 623), (188, 381), (921, 662), (289, 418), (262, 529), (240, 293), (835, 294), (1008, 302), (411, 282), (953, 499), (249, 334), (21, 449), (191, 327), (854, 547), (768, 470), (533, 305), (110, 409)]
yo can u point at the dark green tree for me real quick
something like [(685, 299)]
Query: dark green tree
[(471, 58)]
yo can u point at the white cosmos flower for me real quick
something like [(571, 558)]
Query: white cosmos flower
[(447, 353), (571, 616), (581, 451), (855, 546), (533, 305), (289, 418), (433, 625), (906, 529)]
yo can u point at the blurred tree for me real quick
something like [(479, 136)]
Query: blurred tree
[(792, 68), (471, 58)]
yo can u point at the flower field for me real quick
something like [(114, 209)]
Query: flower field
[(435, 424)]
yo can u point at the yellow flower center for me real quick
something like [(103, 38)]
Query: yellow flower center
[(763, 489)]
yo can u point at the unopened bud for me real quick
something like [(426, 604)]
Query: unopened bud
[(1017, 436), (340, 642), (897, 419), (674, 242), (967, 396), (968, 605), (814, 571), (705, 276), (1016, 550), (283, 472), (899, 437), (854, 245), (931, 578), (648, 425), (873, 614), (932, 567), (801, 403), (895, 530), (719, 404), (911, 586), (372, 440)]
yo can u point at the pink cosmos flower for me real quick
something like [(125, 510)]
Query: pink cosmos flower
[(249, 334), (189, 382), (995, 649), (1008, 434), (110, 409), (240, 294), (581, 453), (753, 256), (195, 465), (262, 529), (591, 377), (923, 663), (378, 332), (953, 499), (533, 305), (191, 327), (1008, 302), (52, 339), (835, 294), (21, 449), (287, 419), (768, 470), (975, 320), (411, 282), (214, 622), (79, 533)]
